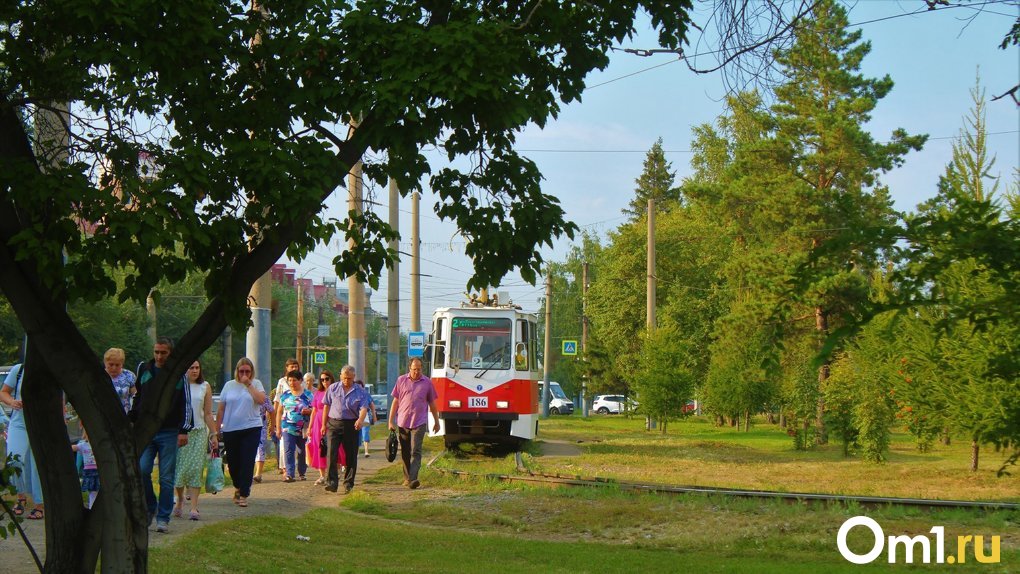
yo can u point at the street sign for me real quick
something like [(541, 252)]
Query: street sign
[(569, 347), (319, 358), (416, 344)]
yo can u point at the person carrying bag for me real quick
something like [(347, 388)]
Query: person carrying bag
[(214, 479)]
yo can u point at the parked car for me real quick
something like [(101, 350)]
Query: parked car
[(559, 404), (612, 404), (382, 406)]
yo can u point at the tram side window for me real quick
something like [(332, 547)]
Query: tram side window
[(439, 349), (521, 353), (477, 343), (533, 346)]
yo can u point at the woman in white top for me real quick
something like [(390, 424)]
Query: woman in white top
[(239, 420), (191, 457)]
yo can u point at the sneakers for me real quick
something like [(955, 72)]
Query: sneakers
[(162, 527), (414, 484), (331, 488), (288, 479)]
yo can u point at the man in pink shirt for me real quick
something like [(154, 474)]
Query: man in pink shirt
[(413, 398)]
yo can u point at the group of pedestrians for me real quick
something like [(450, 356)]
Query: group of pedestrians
[(319, 423)]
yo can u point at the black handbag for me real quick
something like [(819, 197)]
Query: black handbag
[(323, 448), (391, 446)]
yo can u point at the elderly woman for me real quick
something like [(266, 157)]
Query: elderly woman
[(123, 381), (239, 419), (292, 416), (191, 457), (27, 483)]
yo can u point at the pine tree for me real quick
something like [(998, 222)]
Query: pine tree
[(656, 182)]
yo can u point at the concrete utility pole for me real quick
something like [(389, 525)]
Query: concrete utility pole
[(650, 295), (259, 339), (584, 336), (150, 312), (393, 296), (356, 289), (415, 265), (299, 351), (546, 362), (228, 344)]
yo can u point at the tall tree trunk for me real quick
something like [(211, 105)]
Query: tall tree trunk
[(975, 448), (822, 326), (747, 421), (44, 419)]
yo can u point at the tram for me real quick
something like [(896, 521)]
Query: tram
[(485, 372)]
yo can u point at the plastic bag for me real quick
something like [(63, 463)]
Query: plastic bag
[(214, 479), (391, 446)]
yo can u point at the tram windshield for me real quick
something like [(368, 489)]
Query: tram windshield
[(480, 343)]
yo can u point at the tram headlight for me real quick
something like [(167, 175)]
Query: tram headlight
[(454, 404), (502, 404)]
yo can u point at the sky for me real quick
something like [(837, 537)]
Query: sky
[(591, 155)]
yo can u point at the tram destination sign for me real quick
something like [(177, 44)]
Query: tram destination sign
[(480, 323)]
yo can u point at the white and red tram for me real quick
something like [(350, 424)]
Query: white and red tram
[(483, 366)]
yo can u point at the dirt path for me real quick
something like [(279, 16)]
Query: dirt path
[(271, 497)]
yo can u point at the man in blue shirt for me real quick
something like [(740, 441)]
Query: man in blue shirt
[(346, 405)]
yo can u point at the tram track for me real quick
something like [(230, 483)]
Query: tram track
[(528, 476)]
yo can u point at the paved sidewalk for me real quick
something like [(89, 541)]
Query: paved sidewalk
[(271, 497)]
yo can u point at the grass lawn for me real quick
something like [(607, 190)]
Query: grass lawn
[(696, 452), (478, 525)]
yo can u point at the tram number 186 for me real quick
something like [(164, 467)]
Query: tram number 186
[(478, 402)]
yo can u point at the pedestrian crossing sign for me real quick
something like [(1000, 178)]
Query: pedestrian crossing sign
[(320, 358), (569, 347)]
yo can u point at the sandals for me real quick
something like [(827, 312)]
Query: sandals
[(320, 481), (242, 502), (257, 479), (288, 479), (178, 512), (194, 515), (237, 496), (36, 514), (19, 508)]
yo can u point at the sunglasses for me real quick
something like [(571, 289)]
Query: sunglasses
[(241, 371), (325, 379)]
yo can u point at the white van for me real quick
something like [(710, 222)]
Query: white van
[(559, 404)]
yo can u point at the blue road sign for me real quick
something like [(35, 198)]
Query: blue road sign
[(569, 347), (319, 358)]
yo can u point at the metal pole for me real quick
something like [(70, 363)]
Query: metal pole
[(415, 265), (393, 297), (546, 359)]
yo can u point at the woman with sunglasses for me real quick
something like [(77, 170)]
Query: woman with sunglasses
[(239, 420), (318, 461)]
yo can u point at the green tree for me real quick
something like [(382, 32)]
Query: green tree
[(657, 181), (668, 371), (251, 119)]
